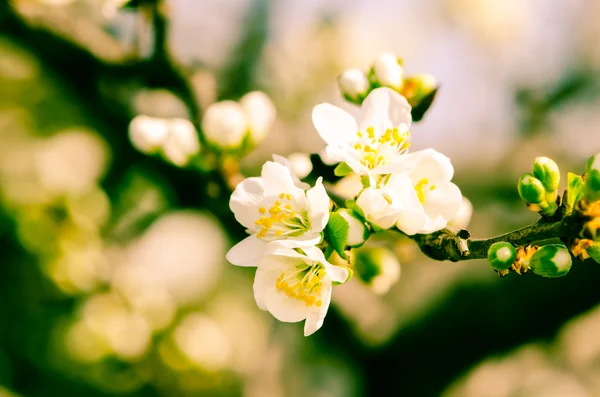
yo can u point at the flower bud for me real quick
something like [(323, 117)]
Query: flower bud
[(531, 189), (546, 170), (300, 163), (354, 84), (260, 113), (388, 71), (147, 134), (181, 143), (592, 178), (225, 125), (377, 267), (358, 232), (502, 255), (552, 260), (418, 87)]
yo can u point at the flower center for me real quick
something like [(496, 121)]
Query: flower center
[(420, 189), (304, 283), (376, 150), (281, 219)]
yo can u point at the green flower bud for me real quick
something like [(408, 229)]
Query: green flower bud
[(552, 260), (592, 178), (358, 232), (546, 170), (531, 189), (377, 267), (502, 255)]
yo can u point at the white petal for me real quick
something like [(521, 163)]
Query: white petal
[(245, 201), (334, 125), (336, 273), (340, 155), (385, 108), (315, 318), (377, 209), (318, 206), (434, 224), (284, 308), (432, 165), (262, 281), (247, 252), (411, 221), (445, 200), (277, 179), (289, 165)]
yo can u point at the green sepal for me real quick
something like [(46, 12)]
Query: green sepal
[(574, 189), (418, 111), (342, 169), (337, 233)]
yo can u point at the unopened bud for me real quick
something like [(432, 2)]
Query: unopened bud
[(531, 189), (225, 125), (552, 260), (182, 142), (358, 232), (502, 255), (354, 84), (389, 71), (592, 178), (260, 113), (418, 87), (377, 267), (147, 134), (546, 170)]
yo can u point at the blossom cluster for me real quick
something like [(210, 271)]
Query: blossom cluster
[(295, 227)]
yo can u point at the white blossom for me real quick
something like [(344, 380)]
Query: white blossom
[(295, 284), (354, 83), (260, 114), (388, 71), (272, 208), (225, 125), (418, 196), (371, 143)]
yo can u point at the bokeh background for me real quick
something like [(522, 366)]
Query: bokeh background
[(112, 272)]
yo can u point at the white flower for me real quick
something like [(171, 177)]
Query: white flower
[(418, 196), (273, 208), (354, 83), (463, 216), (176, 138), (225, 125), (388, 71), (427, 197), (296, 165), (372, 142), (260, 113), (295, 284)]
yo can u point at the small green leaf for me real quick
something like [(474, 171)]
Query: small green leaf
[(418, 112), (574, 188), (337, 233), (342, 169)]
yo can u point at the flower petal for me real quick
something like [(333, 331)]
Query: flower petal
[(315, 318), (377, 209), (277, 179), (445, 201), (247, 252), (245, 200), (411, 221), (334, 125), (262, 280), (318, 206), (284, 308), (385, 108), (432, 165), (288, 164)]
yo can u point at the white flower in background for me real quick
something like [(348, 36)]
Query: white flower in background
[(260, 113), (272, 207), (418, 196), (354, 83), (224, 124), (388, 71), (175, 138), (295, 284), (372, 142), (427, 197), (299, 166), (463, 216)]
